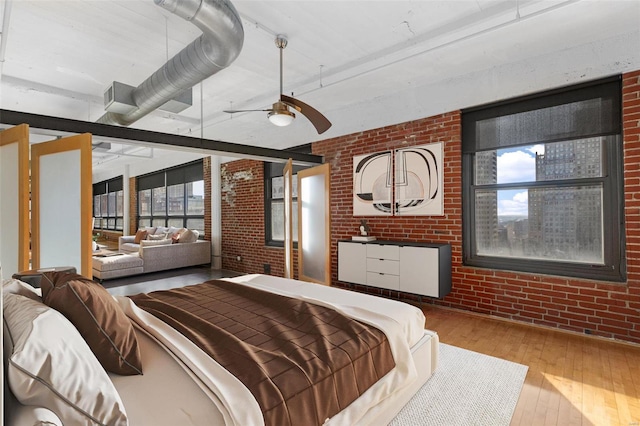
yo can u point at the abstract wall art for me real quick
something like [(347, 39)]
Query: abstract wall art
[(372, 182), (403, 182), (418, 181)]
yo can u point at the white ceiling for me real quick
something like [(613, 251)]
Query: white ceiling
[(364, 64)]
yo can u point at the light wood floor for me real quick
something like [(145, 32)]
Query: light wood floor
[(572, 379)]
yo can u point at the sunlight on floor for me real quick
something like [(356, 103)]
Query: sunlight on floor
[(599, 406)]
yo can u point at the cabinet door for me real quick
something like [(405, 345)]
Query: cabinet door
[(419, 270), (352, 262)]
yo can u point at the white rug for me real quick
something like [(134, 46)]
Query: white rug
[(467, 388)]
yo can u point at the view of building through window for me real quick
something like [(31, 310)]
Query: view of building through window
[(108, 204), (542, 201)]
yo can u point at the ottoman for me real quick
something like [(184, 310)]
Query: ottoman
[(116, 265)]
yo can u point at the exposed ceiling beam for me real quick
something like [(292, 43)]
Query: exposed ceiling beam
[(164, 140)]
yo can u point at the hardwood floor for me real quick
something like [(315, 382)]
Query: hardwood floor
[(572, 379)]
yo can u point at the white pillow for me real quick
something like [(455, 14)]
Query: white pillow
[(20, 287), (51, 366), (150, 229), (157, 237), (189, 236), (161, 230)]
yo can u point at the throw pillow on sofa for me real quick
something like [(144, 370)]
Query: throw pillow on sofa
[(175, 237), (189, 236), (156, 237), (141, 234), (160, 230)]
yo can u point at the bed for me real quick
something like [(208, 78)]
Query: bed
[(180, 383)]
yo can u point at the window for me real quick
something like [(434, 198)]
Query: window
[(274, 200), (108, 207), (543, 187), (173, 197)]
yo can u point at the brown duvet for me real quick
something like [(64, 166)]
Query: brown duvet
[(302, 362)]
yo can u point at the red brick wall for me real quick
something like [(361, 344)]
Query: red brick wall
[(605, 309), (133, 206), (243, 220), (206, 174)]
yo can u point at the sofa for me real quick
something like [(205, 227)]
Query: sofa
[(150, 236), (151, 255)]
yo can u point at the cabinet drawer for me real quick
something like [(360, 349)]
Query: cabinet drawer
[(383, 266), (391, 282), (379, 251)]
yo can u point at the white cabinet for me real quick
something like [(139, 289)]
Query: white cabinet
[(419, 268), (352, 259)]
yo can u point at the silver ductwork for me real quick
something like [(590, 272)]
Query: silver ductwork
[(218, 46)]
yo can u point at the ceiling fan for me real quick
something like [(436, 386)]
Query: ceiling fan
[(280, 115)]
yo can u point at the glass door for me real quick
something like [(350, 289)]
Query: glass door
[(314, 227)]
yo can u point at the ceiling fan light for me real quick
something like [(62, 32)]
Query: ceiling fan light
[(281, 118)]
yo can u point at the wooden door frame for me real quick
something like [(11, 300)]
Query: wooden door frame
[(83, 144), (287, 174), (325, 170), (20, 134)]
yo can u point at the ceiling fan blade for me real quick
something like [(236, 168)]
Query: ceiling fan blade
[(232, 111), (318, 120)]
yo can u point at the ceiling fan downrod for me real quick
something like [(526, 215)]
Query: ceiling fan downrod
[(281, 43)]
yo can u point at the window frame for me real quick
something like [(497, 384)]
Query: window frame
[(274, 170), (179, 175), (614, 267), (107, 190)]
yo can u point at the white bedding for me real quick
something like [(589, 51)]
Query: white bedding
[(403, 325), (164, 385)]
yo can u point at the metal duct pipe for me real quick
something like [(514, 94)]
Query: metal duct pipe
[(215, 49)]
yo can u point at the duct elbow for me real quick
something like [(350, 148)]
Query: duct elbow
[(223, 33), (218, 46), (184, 9)]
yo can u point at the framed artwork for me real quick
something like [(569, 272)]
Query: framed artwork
[(418, 181), (415, 188), (372, 183)]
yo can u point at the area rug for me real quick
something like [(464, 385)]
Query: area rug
[(467, 388)]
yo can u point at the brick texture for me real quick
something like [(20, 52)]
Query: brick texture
[(585, 306), (133, 205), (206, 174)]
